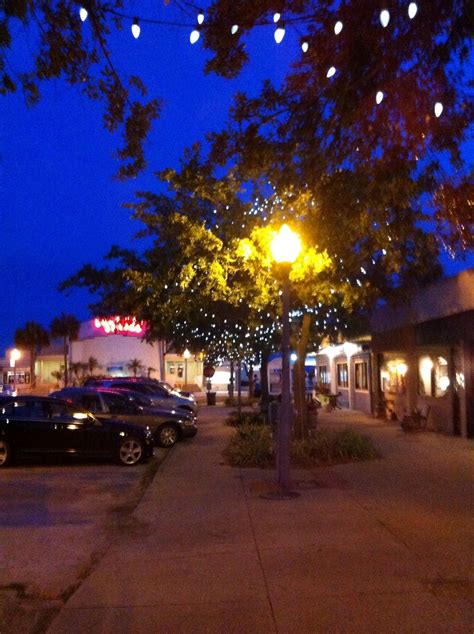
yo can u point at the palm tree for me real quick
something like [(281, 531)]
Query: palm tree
[(66, 327), (58, 375), (31, 338), (75, 369), (134, 365), (150, 370), (92, 364)]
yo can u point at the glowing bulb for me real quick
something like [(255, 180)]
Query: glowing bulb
[(331, 72), (438, 109), (379, 97), (234, 29), (384, 17), (200, 17), (83, 14), (412, 10), (338, 27), (276, 17), (279, 34), (136, 29), (305, 47), (193, 38)]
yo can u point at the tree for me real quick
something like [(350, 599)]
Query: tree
[(134, 365), (67, 328), (82, 55), (92, 364), (371, 115), (32, 337)]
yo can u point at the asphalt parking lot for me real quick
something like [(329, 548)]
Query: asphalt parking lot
[(56, 519)]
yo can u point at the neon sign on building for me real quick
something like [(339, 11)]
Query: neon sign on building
[(117, 325)]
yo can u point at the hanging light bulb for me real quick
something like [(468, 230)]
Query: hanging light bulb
[(279, 34), (200, 17), (412, 10), (331, 72), (379, 97), (304, 47), (338, 27), (384, 17), (193, 38), (438, 109), (234, 29), (83, 14), (276, 17), (136, 28)]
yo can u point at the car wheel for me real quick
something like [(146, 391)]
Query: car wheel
[(5, 453), (167, 435), (130, 451)]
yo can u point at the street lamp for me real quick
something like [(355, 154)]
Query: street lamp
[(186, 355), (285, 248), (15, 354)]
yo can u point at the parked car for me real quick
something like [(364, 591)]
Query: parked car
[(160, 396), (46, 426), (105, 403), (95, 381)]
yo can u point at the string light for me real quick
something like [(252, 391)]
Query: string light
[(279, 33), (412, 10), (194, 37), (338, 27), (276, 17), (379, 97), (331, 72), (136, 28), (200, 18), (83, 14), (304, 47), (438, 109), (384, 17), (234, 29)]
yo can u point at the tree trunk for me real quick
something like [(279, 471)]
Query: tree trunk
[(301, 430), (265, 397), (66, 371), (239, 389), (32, 366), (231, 382), (251, 387)]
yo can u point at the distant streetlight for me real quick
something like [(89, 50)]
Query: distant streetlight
[(15, 354), (285, 248), (186, 355)]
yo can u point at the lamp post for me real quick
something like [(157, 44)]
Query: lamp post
[(15, 354), (285, 248), (186, 355)]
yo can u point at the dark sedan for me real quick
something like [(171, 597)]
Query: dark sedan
[(34, 425), (167, 426)]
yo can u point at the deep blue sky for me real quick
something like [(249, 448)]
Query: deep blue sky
[(60, 204)]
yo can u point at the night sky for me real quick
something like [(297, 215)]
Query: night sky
[(61, 206)]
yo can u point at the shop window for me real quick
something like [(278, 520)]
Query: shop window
[(392, 376), (433, 376), (342, 375), (170, 367), (180, 370), (361, 375)]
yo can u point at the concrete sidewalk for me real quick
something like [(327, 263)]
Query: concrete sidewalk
[(381, 546)]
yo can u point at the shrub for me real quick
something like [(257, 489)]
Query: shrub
[(245, 418), (251, 446), (329, 446)]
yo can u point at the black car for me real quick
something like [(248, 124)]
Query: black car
[(35, 425), (167, 426)]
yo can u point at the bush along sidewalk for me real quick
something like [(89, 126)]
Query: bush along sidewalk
[(253, 446)]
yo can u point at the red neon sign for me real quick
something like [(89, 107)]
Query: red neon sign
[(120, 325)]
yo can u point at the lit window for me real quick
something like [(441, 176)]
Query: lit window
[(361, 375), (342, 375), (433, 376)]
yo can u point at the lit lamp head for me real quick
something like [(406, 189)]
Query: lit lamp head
[(285, 246), (186, 354), (15, 354)]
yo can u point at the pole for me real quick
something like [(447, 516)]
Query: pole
[(185, 372), (283, 437)]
